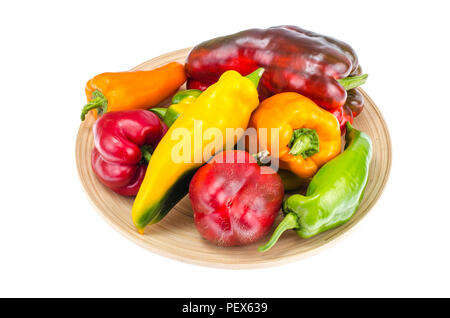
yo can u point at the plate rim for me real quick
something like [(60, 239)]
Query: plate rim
[(136, 238)]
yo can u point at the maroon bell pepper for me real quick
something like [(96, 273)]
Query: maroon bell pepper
[(295, 60), (355, 102), (123, 143), (233, 202)]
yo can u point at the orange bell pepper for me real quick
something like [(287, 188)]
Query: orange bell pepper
[(309, 136), (133, 89)]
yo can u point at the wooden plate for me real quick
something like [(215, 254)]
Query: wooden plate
[(176, 236)]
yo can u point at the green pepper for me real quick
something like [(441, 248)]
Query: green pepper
[(333, 195), (179, 101)]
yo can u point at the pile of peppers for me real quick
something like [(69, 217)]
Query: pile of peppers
[(319, 67), (298, 82)]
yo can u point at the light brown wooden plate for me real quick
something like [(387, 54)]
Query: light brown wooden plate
[(176, 236)]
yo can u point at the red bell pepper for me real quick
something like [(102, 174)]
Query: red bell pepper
[(233, 202), (295, 60), (343, 114), (123, 143)]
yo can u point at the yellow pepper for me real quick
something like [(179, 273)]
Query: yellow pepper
[(309, 136), (225, 104)]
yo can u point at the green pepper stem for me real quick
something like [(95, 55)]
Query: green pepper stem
[(160, 111), (352, 81), (146, 152), (178, 97), (256, 76), (348, 126), (98, 102), (262, 158), (304, 142), (290, 221)]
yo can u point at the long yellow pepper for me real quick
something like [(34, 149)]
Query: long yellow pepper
[(225, 104)]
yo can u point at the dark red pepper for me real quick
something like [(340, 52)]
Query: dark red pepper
[(355, 102), (123, 143), (294, 60), (233, 202)]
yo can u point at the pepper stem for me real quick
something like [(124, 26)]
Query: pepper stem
[(160, 111), (290, 221), (98, 101), (146, 151), (304, 142), (262, 158), (353, 81), (255, 76), (178, 97)]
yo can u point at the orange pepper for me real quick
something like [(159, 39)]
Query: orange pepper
[(133, 89), (309, 136)]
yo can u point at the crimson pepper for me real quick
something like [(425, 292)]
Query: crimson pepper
[(123, 143), (235, 203), (295, 60), (343, 114)]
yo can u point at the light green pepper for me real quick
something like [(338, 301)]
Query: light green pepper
[(333, 195)]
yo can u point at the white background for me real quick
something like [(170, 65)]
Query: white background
[(52, 241)]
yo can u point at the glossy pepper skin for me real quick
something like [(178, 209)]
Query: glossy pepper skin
[(132, 90), (352, 108), (233, 202), (309, 136), (344, 115), (123, 142), (225, 104), (333, 195), (295, 60)]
